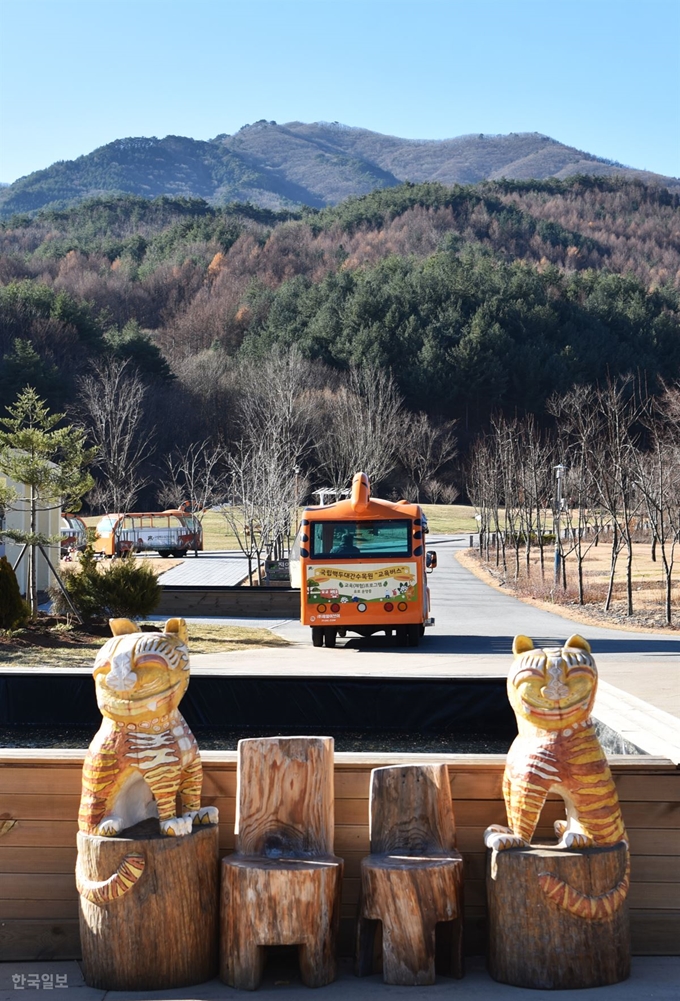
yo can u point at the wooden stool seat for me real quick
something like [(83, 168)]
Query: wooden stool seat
[(561, 950), (412, 883), (282, 885), (160, 930), (281, 864), (413, 862)]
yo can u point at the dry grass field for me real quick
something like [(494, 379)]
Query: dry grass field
[(62, 645), (648, 585)]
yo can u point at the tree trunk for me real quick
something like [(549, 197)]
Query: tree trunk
[(534, 941), (149, 908), (629, 577), (612, 569), (669, 593), (32, 567)]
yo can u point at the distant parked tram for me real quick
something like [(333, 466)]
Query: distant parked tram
[(361, 566), (73, 532), (169, 533)]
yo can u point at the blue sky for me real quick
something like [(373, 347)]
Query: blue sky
[(601, 75)]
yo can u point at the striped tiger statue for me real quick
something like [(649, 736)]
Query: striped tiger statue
[(144, 754), (557, 750)]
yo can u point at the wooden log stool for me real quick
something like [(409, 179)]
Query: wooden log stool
[(282, 886), (412, 881), (534, 939), (149, 907)]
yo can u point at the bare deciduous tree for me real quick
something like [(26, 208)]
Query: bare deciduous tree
[(616, 474), (112, 411), (658, 477), (484, 490), (261, 485), (196, 476), (277, 416), (360, 426), (424, 448), (580, 426)]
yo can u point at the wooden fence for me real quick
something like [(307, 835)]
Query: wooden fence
[(39, 796)]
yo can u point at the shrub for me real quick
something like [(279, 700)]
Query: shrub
[(13, 609), (123, 588)]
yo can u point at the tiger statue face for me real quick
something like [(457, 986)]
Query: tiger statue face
[(553, 688), (141, 676)]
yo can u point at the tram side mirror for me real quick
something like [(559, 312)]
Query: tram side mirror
[(430, 559)]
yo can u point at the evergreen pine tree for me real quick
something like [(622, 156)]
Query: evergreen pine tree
[(13, 611)]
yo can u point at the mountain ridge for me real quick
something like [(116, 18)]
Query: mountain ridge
[(315, 164)]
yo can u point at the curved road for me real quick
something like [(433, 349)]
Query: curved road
[(474, 628)]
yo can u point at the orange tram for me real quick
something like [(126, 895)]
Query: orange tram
[(169, 533), (362, 567)]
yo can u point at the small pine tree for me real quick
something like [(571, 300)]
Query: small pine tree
[(49, 459), (124, 589), (13, 610)]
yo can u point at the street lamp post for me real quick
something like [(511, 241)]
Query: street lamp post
[(559, 472)]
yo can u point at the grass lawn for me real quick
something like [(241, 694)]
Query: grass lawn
[(442, 519), (59, 648)]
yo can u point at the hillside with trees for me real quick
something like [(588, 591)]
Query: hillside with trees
[(283, 166), (469, 301)]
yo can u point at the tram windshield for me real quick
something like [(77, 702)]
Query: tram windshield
[(360, 539)]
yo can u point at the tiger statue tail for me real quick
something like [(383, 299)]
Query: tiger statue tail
[(123, 879), (581, 904)]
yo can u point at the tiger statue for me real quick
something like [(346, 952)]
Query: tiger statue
[(557, 750), (144, 754)]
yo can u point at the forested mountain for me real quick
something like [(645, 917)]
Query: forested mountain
[(476, 298), (318, 164)]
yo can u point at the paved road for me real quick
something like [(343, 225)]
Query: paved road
[(474, 628), (478, 621)]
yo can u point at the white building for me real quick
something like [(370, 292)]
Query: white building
[(18, 516)]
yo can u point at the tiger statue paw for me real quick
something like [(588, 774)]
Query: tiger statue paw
[(575, 839), (177, 827), (500, 838), (206, 815), (109, 827)]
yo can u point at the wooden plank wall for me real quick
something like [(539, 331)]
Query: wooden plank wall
[(38, 900)]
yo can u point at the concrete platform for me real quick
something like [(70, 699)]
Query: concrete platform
[(208, 569), (653, 977)]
